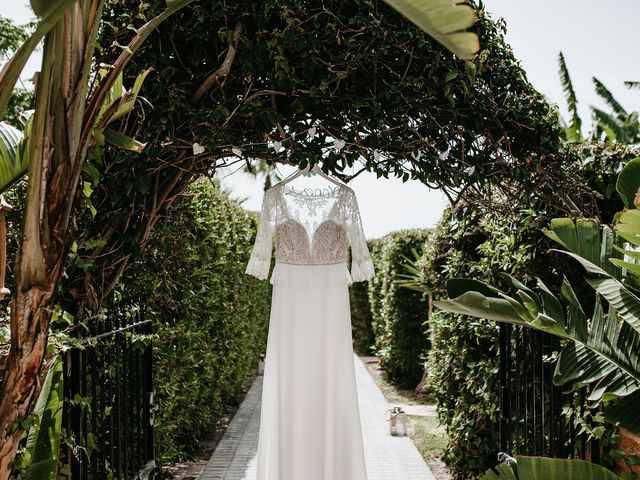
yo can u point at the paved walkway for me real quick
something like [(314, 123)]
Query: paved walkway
[(388, 457)]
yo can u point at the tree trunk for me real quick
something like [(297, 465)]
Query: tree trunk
[(53, 178), (30, 314)]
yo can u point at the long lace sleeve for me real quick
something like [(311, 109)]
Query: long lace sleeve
[(260, 260), (361, 263)]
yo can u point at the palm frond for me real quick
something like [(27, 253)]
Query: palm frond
[(526, 468), (575, 125), (413, 275), (611, 126), (610, 100)]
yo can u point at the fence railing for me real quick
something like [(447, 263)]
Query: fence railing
[(108, 390), (532, 421)]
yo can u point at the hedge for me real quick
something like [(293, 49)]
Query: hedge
[(210, 318), (399, 314), (361, 315)]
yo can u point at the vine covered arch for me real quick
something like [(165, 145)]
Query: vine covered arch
[(353, 83)]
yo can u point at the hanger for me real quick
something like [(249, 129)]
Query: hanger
[(315, 169)]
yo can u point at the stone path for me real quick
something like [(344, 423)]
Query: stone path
[(388, 457)]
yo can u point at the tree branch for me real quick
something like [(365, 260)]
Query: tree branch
[(224, 69)]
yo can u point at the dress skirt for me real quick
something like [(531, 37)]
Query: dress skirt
[(310, 422)]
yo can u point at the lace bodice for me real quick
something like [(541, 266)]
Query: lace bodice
[(310, 229)]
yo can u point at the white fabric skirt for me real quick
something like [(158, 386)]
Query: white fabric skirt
[(310, 422)]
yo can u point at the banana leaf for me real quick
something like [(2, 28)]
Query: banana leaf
[(601, 350), (541, 468), (444, 20), (628, 182), (43, 440), (14, 155), (11, 71), (573, 130)]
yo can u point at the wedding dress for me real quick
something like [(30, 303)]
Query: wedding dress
[(310, 424)]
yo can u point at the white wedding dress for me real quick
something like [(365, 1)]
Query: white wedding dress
[(310, 423)]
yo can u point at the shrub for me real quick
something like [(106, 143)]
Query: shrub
[(361, 316), (399, 314), (210, 318), (463, 362)]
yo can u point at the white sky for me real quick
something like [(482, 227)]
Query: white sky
[(598, 39)]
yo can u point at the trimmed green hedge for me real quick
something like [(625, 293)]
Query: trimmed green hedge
[(361, 316), (399, 314), (211, 319)]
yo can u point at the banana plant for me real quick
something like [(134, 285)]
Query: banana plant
[(617, 125), (14, 148), (538, 468), (603, 350), (76, 103)]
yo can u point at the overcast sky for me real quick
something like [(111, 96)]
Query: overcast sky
[(598, 39)]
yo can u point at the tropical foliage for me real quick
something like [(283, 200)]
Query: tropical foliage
[(602, 346), (615, 125), (40, 457), (536, 468), (464, 358), (315, 79), (11, 36), (75, 103), (446, 22)]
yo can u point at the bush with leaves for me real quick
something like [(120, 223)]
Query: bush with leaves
[(361, 314), (463, 360), (399, 314), (210, 318)]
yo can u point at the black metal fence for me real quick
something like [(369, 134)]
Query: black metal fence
[(536, 418), (108, 390)]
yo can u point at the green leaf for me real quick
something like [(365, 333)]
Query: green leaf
[(444, 20), (615, 131), (131, 97), (574, 132), (625, 411), (626, 303), (14, 155), (628, 182), (609, 99), (628, 226), (458, 286), (579, 236), (603, 353), (43, 439), (451, 75), (477, 305), (123, 141), (51, 14), (542, 468)]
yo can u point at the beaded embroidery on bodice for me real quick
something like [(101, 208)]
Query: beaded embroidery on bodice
[(309, 234), (310, 229)]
